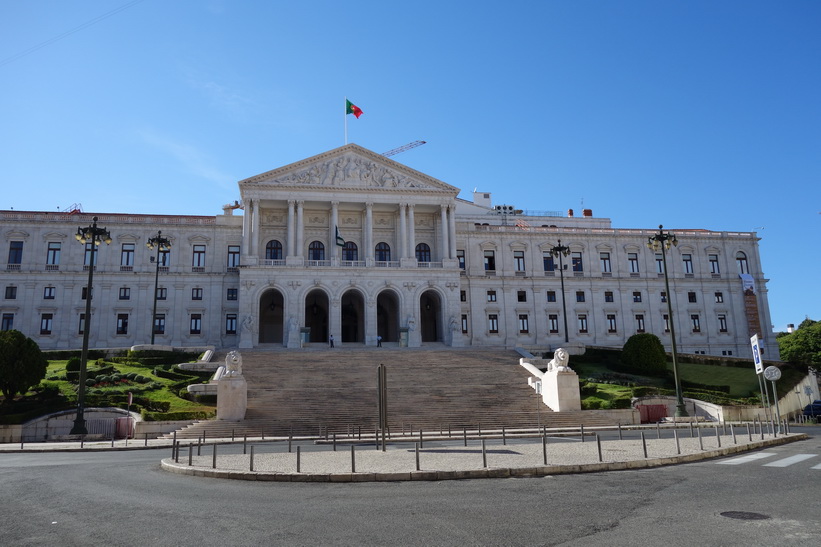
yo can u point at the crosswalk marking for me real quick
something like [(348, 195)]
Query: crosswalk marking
[(816, 466), (748, 458), (789, 461)]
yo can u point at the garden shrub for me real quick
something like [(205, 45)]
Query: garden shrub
[(644, 354)]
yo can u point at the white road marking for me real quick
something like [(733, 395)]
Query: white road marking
[(748, 458), (791, 460)]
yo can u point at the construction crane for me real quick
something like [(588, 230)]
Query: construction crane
[(401, 149)]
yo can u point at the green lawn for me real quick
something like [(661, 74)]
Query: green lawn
[(743, 382)]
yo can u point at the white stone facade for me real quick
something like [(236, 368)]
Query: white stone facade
[(418, 265)]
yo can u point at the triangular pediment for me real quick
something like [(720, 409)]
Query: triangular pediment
[(349, 167)]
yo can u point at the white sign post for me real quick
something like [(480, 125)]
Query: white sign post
[(759, 369)]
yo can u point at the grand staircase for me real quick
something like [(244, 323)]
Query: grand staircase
[(319, 392)]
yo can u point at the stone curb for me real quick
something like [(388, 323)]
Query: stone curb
[(481, 473)]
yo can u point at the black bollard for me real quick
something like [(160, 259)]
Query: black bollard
[(643, 445), (484, 455), (190, 453), (417, 456), (598, 445), (214, 457), (678, 447), (298, 466), (353, 459), (251, 464), (544, 449)]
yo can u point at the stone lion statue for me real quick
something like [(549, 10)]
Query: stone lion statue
[(233, 364), (559, 361)]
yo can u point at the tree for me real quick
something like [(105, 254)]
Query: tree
[(644, 354), (22, 364), (802, 345)]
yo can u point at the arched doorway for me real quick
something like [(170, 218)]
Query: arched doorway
[(316, 315), (387, 316), (270, 317), (353, 317), (429, 311)]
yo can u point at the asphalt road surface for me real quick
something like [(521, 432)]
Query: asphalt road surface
[(124, 498)]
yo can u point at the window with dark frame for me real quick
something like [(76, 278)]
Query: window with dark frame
[(523, 324), (608, 296), (198, 256), (491, 296), (49, 293), (122, 323), (350, 251), (579, 296), (490, 260), (127, 255), (273, 250), (11, 292), (694, 319), (553, 321), (53, 253), (547, 260), (82, 324), (383, 252), (196, 293), (611, 323), (231, 323), (159, 323), (423, 252), (639, 322), (196, 323), (8, 322), (233, 294), (460, 256), (714, 268), (604, 258), (722, 323), (233, 256), (493, 323), (15, 252), (125, 293), (582, 319), (316, 251), (464, 323), (576, 260), (162, 293), (636, 296), (521, 296), (551, 296), (691, 297), (633, 262), (463, 296), (687, 262), (719, 297)]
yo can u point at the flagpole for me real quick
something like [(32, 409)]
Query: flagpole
[(346, 120)]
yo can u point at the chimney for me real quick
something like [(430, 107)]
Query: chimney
[(587, 212), (570, 212)]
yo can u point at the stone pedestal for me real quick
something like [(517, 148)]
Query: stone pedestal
[(560, 390), (232, 398)]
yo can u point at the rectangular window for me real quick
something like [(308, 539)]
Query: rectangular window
[(8, 321), (233, 256), (196, 293), (460, 256), (576, 260), (519, 260), (15, 252), (46, 323), (551, 296), (127, 255), (547, 260), (633, 262), (523, 324), (198, 257), (714, 269), (491, 296), (463, 296), (608, 296), (165, 257), (84, 293), (490, 261), (90, 254), (722, 323), (687, 261), (579, 296), (53, 253), (659, 263), (611, 323), (11, 293), (122, 323), (636, 296), (162, 293), (639, 322), (521, 296), (666, 319), (464, 324), (159, 323), (81, 327), (125, 293), (196, 323), (493, 323), (553, 321), (582, 323), (49, 293), (663, 297), (719, 298), (691, 297), (604, 258), (231, 323), (232, 294), (696, 322)]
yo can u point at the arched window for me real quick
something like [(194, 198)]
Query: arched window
[(350, 251), (316, 251), (741, 260), (273, 250), (383, 252), (422, 253)]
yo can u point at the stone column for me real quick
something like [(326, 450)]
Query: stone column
[(452, 230), (333, 252), (402, 232), (368, 237), (445, 252), (300, 228), (411, 232), (289, 251), (246, 229), (255, 234)]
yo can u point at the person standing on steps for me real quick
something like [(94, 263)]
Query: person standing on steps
[(331, 341), (378, 341)]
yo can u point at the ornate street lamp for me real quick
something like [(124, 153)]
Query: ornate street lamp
[(162, 244), (662, 240), (94, 235), (560, 251)]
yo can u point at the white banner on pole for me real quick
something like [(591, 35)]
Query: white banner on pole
[(759, 366)]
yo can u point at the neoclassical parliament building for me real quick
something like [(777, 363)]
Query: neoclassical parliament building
[(352, 245)]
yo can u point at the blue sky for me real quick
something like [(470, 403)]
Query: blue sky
[(691, 114)]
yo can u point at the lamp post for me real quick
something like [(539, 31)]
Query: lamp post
[(560, 251), (162, 244), (94, 235), (663, 240)]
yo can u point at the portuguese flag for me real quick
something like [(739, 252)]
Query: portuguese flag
[(351, 108)]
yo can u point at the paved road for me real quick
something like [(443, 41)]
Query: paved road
[(123, 498)]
